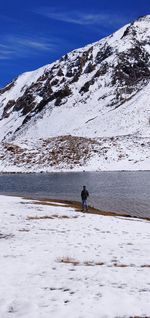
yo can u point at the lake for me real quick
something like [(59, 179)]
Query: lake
[(109, 191)]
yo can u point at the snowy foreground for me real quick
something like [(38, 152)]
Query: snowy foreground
[(57, 262)]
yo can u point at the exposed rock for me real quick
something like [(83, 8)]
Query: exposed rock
[(69, 73), (86, 86), (60, 72), (89, 68), (62, 93), (102, 70), (7, 88), (46, 91), (104, 53), (131, 68), (26, 104), (129, 30), (54, 82), (7, 109), (76, 76)]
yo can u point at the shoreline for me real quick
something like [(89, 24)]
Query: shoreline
[(77, 206), (74, 204), (70, 171)]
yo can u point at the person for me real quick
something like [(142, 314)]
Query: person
[(84, 196)]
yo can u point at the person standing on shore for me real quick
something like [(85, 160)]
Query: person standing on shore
[(84, 196)]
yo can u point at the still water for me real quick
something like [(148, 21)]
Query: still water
[(110, 191)]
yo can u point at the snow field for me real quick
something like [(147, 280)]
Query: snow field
[(56, 262)]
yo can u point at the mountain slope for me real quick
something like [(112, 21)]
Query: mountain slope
[(96, 97)]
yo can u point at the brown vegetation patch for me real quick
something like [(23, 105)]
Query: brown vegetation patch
[(68, 260), (121, 265), (65, 151), (129, 265), (99, 263), (6, 236), (45, 202), (14, 149), (145, 266), (51, 217), (90, 263), (137, 317), (72, 261)]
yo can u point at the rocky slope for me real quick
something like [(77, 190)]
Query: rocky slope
[(89, 110)]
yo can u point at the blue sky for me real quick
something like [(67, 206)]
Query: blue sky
[(37, 32)]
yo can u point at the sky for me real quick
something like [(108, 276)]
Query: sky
[(37, 32)]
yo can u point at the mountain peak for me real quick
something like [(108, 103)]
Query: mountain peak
[(99, 91), (144, 18)]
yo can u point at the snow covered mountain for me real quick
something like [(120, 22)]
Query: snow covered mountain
[(88, 110)]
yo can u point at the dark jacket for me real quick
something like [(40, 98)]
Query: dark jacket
[(84, 194)]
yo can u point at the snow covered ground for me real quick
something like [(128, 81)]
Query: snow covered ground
[(57, 262)]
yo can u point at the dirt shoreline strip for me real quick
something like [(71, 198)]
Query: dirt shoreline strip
[(77, 206)]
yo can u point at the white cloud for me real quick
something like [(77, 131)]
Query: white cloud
[(35, 44), (14, 46), (79, 18)]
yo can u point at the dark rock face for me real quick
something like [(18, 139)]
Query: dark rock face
[(7, 109), (86, 86), (25, 104), (132, 68), (46, 91), (61, 94), (60, 73), (28, 106), (70, 72), (54, 82), (90, 68), (76, 76), (104, 53), (129, 30), (102, 70)]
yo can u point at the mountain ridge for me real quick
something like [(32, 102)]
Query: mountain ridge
[(96, 92)]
